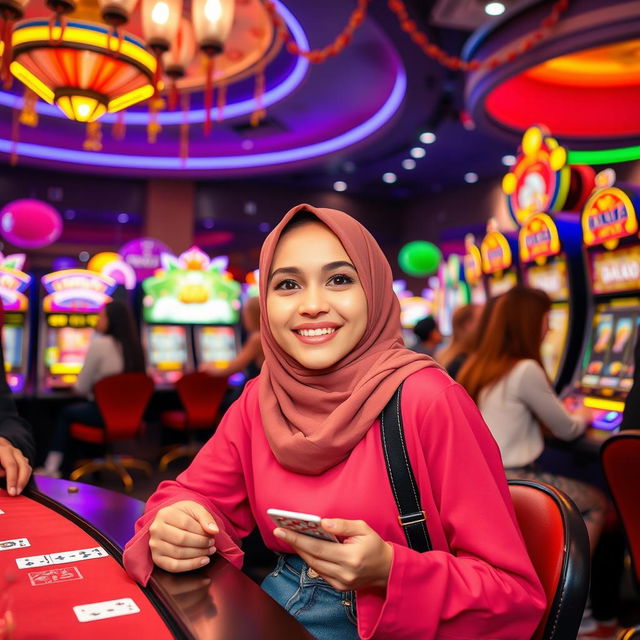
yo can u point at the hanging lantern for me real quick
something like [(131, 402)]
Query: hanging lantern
[(116, 72), (176, 60), (212, 21), (160, 20), (116, 12), (60, 7), (10, 11)]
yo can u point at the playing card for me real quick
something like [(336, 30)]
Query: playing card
[(14, 544), (107, 609), (51, 576), (33, 561), (78, 555)]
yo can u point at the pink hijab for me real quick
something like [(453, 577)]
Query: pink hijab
[(313, 419)]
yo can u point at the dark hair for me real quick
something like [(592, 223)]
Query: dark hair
[(513, 333), (121, 326), (425, 327), (302, 217)]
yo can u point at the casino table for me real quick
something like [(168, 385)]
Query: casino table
[(66, 579)]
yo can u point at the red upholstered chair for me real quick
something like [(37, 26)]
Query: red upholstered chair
[(122, 400), (620, 459), (558, 545), (200, 395)]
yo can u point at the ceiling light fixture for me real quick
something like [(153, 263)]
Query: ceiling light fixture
[(408, 164), (389, 177), (508, 160), (471, 177), (418, 152), (494, 8), (340, 185), (427, 137)]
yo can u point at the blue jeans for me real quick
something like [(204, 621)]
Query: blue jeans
[(326, 613)]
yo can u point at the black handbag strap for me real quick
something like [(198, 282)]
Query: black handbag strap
[(403, 483)]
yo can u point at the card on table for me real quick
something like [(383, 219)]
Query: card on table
[(107, 609), (5, 545), (52, 576), (60, 557)]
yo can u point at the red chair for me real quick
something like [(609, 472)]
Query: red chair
[(558, 545), (620, 460), (201, 396), (122, 400)]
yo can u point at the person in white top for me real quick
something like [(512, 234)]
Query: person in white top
[(504, 375), (115, 348)]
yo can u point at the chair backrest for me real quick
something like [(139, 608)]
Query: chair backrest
[(620, 459), (122, 400), (558, 545), (201, 395)]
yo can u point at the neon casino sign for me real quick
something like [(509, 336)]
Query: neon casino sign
[(76, 290), (608, 216), (539, 180), (538, 239), (14, 282), (496, 253)]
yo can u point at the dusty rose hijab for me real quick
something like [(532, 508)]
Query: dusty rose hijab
[(313, 419)]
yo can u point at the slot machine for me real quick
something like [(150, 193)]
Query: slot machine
[(472, 267), (605, 370), (70, 307), (498, 266), (452, 292), (412, 309), (550, 259), (14, 288), (190, 313)]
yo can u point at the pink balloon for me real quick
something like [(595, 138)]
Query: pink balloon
[(30, 224)]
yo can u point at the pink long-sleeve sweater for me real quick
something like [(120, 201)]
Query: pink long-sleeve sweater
[(477, 583)]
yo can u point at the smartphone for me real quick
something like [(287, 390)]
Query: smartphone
[(304, 523)]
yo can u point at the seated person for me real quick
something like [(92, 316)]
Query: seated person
[(429, 336), (115, 348)]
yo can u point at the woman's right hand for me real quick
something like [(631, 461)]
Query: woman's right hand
[(182, 537)]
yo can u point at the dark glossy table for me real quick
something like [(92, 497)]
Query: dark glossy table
[(218, 602)]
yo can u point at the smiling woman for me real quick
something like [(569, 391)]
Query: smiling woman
[(305, 437)]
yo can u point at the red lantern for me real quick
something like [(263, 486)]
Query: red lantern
[(177, 59)]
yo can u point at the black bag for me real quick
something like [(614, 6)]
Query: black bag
[(403, 483)]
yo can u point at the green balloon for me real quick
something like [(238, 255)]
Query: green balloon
[(419, 258)]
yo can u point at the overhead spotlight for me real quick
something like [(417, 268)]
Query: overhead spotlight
[(389, 177), (123, 218), (427, 137), (418, 152), (408, 164), (494, 8), (349, 166), (508, 161), (339, 185), (83, 256), (471, 177)]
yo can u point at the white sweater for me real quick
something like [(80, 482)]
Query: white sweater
[(104, 358), (514, 408)]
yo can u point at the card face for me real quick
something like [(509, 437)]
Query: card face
[(61, 557), (33, 561), (107, 609), (53, 576), (307, 527), (6, 545)]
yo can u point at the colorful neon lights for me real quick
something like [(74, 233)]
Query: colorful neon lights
[(538, 238), (360, 132), (605, 156)]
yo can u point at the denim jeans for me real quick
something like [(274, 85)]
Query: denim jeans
[(326, 613)]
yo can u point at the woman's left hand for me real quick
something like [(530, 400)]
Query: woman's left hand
[(363, 560)]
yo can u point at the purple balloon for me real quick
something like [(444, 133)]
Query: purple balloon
[(30, 224), (64, 262)]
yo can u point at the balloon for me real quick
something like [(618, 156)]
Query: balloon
[(30, 224), (419, 258)]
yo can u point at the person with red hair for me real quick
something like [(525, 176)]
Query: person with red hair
[(305, 436)]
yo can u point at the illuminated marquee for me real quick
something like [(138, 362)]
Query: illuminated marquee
[(496, 253), (538, 239), (539, 180), (13, 284), (472, 261), (608, 216), (80, 290), (615, 271)]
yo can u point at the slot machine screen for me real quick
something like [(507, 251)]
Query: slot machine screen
[(12, 337), (608, 362), (554, 342), (216, 345), (167, 347)]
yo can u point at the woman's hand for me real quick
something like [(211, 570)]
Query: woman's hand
[(182, 537), (14, 467), (363, 560)]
